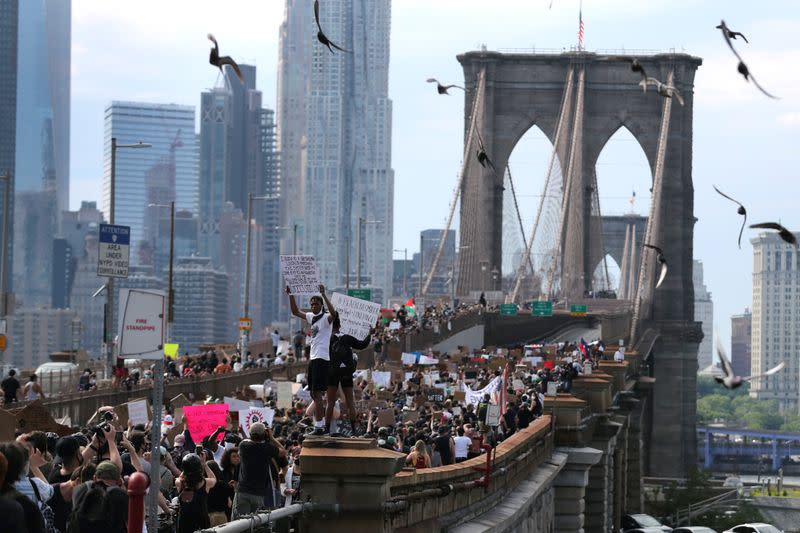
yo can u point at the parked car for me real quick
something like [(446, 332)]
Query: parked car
[(656, 529), (693, 529), (758, 527), (642, 521)]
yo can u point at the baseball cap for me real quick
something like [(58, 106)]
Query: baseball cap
[(107, 470)]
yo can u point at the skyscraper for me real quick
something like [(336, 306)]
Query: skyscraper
[(9, 16), (166, 171), (334, 131), (775, 320), (201, 303), (741, 339), (703, 312)]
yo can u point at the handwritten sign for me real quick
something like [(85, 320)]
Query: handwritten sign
[(381, 379), (203, 420), (137, 412), (285, 394), (493, 415), (300, 274), (357, 316), (434, 395), (248, 417)]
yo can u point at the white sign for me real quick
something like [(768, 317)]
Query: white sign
[(141, 324), (137, 412), (248, 417), (493, 415), (552, 388), (300, 274), (394, 325), (357, 316), (381, 379), (285, 394), (114, 251), (235, 403)]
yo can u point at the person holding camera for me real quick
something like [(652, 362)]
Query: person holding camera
[(261, 459)]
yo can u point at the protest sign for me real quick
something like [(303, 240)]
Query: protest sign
[(409, 358), (434, 395), (171, 350), (552, 388), (381, 379), (179, 401), (384, 395), (410, 416), (141, 324), (248, 417), (137, 412), (122, 415), (300, 274), (8, 422), (459, 396), (357, 316), (203, 420), (235, 404), (493, 415), (394, 325), (285, 394), (385, 417)]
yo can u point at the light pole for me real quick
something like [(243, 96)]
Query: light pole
[(244, 333), (109, 312), (405, 262), (158, 383), (495, 276), (484, 268)]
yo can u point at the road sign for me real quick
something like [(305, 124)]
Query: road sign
[(361, 294), (542, 308), (114, 251), (3, 343), (245, 324), (508, 309), (577, 310)]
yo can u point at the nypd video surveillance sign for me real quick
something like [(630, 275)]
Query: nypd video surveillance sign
[(114, 251)]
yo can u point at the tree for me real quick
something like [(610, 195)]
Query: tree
[(714, 408)]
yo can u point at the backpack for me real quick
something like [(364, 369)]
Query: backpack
[(342, 361), (91, 514), (48, 514)]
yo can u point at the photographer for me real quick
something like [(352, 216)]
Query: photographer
[(261, 456)]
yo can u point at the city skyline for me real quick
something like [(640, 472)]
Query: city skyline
[(430, 127)]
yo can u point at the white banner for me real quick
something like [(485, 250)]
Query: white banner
[(285, 394), (248, 417), (300, 274), (357, 316), (475, 396), (141, 324), (137, 412)]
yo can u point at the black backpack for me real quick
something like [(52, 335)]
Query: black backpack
[(342, 361), (91, 513)]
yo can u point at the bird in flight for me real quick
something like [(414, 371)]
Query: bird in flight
[(783, 233), (731, 380), (321, 37), (742, 67), (483, 159), (215, 59), (741, 210), (730, 33), (662, 261), (667, 91), (442, 89), (637, 67)]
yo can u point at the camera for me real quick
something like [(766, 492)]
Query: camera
[(108, 416), (100, 430)]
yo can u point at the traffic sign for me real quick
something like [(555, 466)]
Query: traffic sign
[(3, 343), (245, 324), (542, 308), (114, 251), (361, 294), (577, 310), (508, 309)]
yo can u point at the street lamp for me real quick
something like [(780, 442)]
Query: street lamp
[(158, 380), (244, 333), (405, 261), (361, 222), (109, 314)]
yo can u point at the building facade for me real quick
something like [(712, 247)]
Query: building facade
[(164, 172), (84, 284), (334, 135), (9, 18), (775, 319), (201, 303), (68, 249), (36, 333), (741, 338), (703, 312)]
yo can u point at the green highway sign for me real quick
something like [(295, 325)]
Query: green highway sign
[(577, 310), (361, 294), (542, 308), (508, 309)]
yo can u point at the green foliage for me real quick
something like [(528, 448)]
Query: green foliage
[(716, 404)]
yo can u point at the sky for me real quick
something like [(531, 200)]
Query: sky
[(745, 143)]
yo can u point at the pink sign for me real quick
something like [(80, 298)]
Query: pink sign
[(203, 420)]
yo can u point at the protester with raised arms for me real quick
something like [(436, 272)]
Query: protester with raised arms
[(319, 366)]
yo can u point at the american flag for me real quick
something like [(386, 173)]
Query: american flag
[(580, 27)]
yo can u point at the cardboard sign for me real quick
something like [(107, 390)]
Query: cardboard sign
[(300, 274), (434, 395), (410, 416), (137, 412), (248, 417), (285, 394), (459, 396), (493, 415), (385, 417), (179, 401), (203, 420), (35, 416), (8, 422), (357, 316), (384, 395)]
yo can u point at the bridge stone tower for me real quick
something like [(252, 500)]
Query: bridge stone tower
[(523, 90)]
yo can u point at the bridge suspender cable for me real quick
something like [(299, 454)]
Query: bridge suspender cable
[(644, 291), (527, 256), (476, 104), (566, 99)]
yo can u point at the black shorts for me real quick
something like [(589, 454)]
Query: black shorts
[(340, 377), (318, 370)]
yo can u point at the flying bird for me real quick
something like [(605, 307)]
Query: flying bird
[(637, 67), (321, 37), (442, 89), (215, 59), (731, 34), (662, 261), (667, 91), (784, 233), (731, 380), (742, 67), (483, 159), (742, 211)]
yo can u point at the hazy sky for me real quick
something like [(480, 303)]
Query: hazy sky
[(157, 51)]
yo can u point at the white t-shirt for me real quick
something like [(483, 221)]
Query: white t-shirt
[(619, 356), (320, 336), (462, 445)]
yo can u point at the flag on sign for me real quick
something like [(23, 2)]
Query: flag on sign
[(580, 27)]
